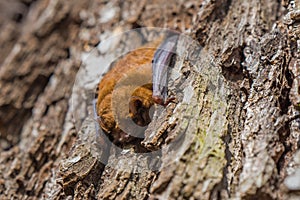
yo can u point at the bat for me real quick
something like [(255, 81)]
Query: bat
[(143, 97)]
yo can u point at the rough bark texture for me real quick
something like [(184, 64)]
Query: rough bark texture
[(238, 112)]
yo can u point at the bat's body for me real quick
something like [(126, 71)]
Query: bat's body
[(135, 65)]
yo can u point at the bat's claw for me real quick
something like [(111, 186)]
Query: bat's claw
[(161, 101)]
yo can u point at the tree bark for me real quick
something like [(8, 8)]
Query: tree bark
[(234, 132)]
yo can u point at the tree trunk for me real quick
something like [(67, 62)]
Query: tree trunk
[(233, 133)]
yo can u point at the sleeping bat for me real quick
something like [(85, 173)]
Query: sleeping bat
[(148, 62)]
